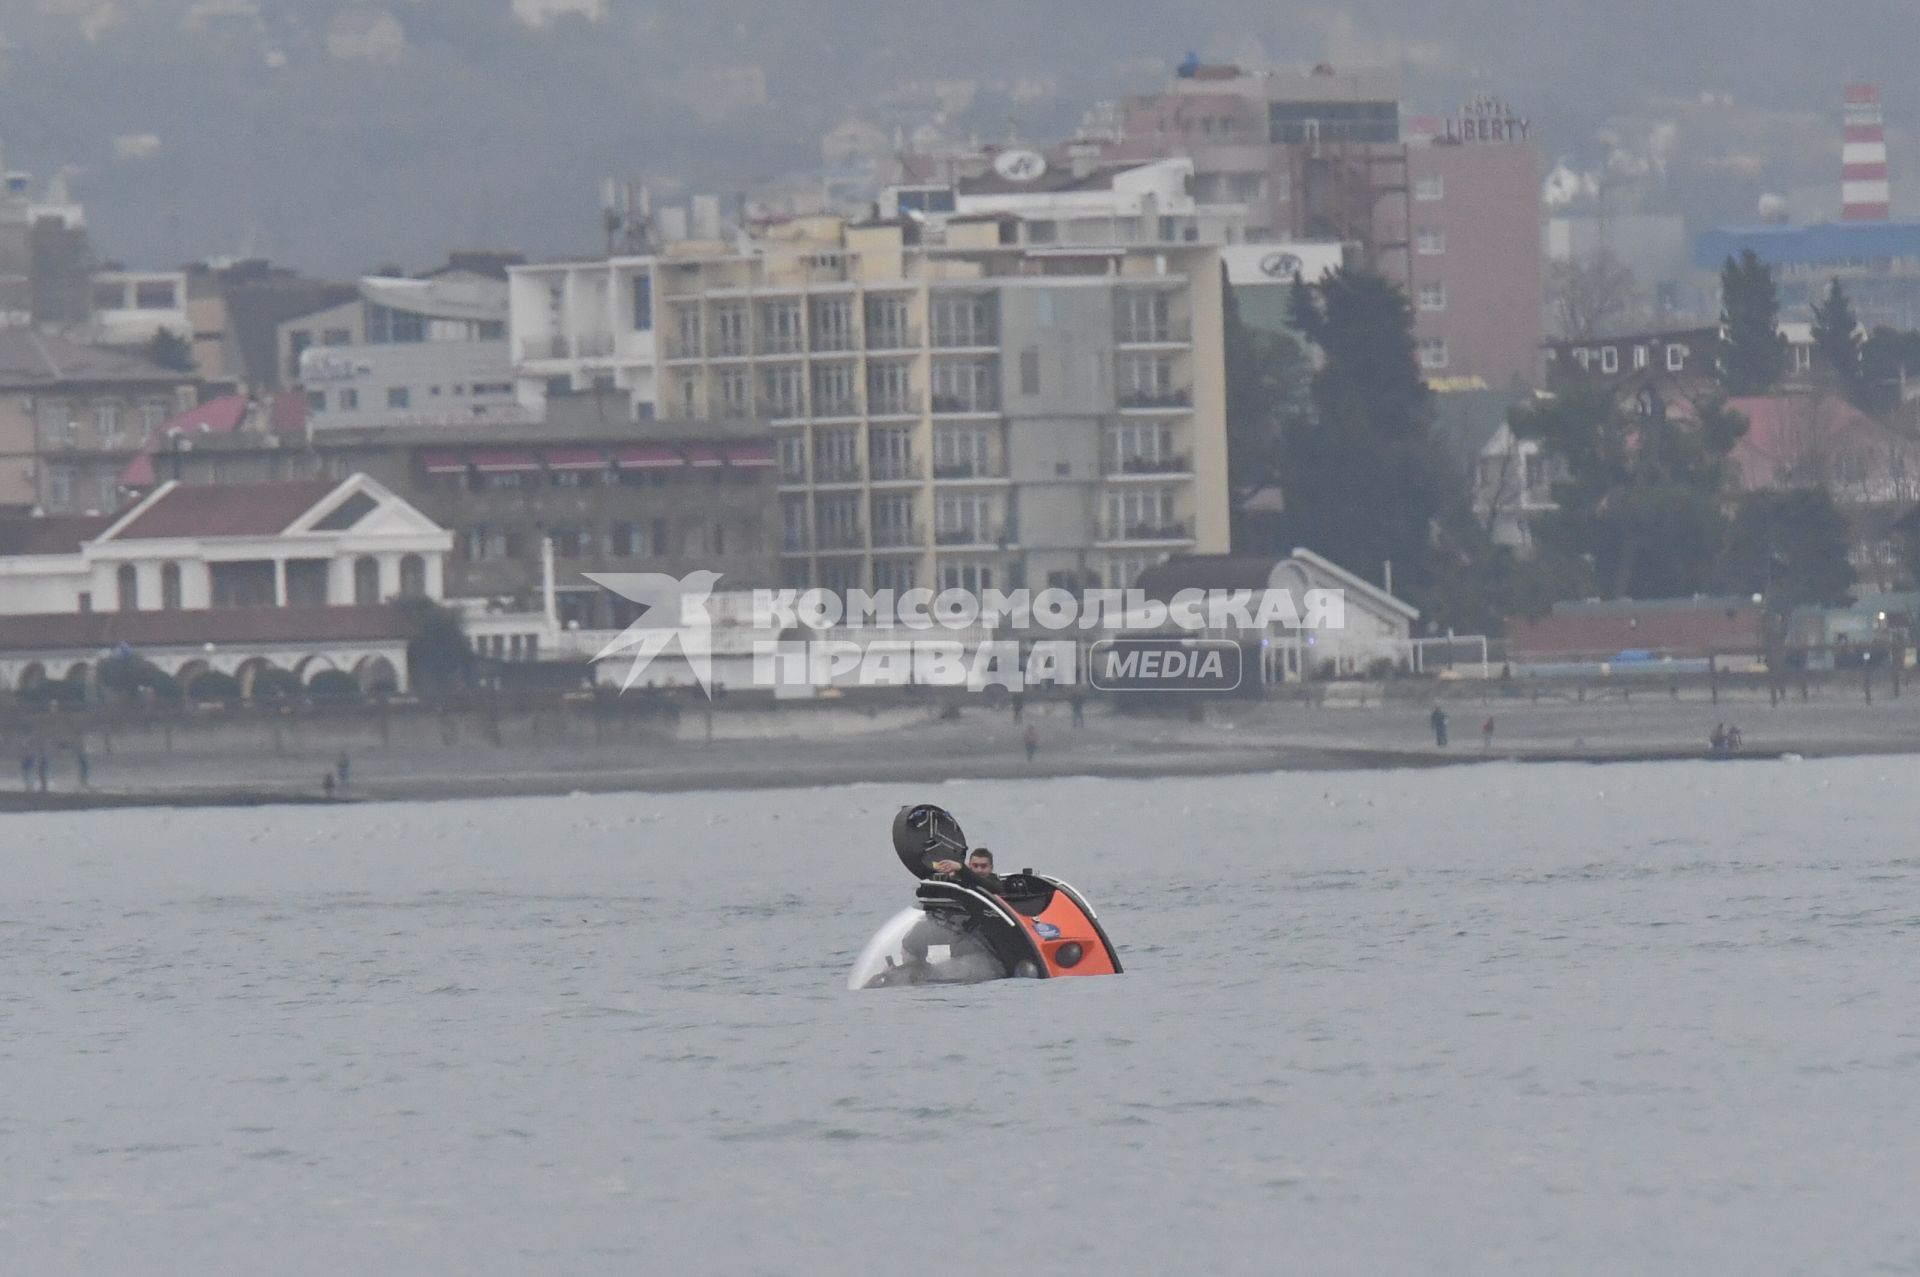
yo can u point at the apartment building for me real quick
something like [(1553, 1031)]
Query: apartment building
[(951, 407), (1446, 205), (405, 351)]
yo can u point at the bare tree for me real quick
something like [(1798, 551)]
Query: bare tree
[(1590, 295)]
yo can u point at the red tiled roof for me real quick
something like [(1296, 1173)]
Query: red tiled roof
[(97, 631), (1789, 435), (1665, 627), (238, 510), (59, 534), (220, 416)]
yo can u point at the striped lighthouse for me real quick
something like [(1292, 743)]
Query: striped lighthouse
[(1864, 194)]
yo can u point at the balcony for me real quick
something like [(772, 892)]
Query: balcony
[(593, 346), (892, 406), (835, 406), (826, 472), (731, 347), (965, 470), (1154, 533), (900, 537), (841, 539), (779, 343), (959, 406), (830, 343), (966, 338), (973, 536), (779, 409), (1155, 400), (796, 543), (1166, 332), (1136, 467), (896, 470), (893, 338)]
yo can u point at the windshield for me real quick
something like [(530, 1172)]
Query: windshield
[(915, 947)]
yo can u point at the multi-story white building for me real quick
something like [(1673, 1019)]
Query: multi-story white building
[(406, 351), (951, 407)]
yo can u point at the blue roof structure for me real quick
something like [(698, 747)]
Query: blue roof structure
[(1823, 244)]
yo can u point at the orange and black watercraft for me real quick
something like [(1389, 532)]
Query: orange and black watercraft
[(958, 933)]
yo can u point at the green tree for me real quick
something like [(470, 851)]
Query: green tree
[(1790, 546), (1753, 356), (1836, 342), (1269, 395), (1887, 358), (438, 657), (1362, 476), (1641, 504), (171, 351)]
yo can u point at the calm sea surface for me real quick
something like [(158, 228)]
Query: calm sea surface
[(1485, 1020)]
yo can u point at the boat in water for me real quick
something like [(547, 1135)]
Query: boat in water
[(1034, 927)]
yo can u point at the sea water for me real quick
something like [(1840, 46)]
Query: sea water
[(1500, 1019)]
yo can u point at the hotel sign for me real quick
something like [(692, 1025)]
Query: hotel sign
[(1487, 119)]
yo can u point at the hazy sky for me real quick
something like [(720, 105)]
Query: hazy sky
[(337, 134)]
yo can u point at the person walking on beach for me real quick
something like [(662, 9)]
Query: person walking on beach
[(1486, 735), (40, 766), (1079, 704), (340, 766), (1019, 705), (1717, 738), (1032, 742), (327, 783), (26, 770), (83, 765), (1438, 720)]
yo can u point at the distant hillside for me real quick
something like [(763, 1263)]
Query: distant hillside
[(334, 134)]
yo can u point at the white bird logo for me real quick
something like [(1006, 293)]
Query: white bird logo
[(648, 636)]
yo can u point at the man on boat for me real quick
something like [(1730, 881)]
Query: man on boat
[(977, 873)]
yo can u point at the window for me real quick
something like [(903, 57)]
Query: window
[(170, 587), (1141, 514), (964, 319), (1246, 188), (833, 393), (385, 325), (1141, 316), (1429, 188), (1030, 370), (413, 576), (832, 324), (1146, 381), (689, 397), (965, 386), (1609, 359), (780, 328), (571, 540), (1639, 357), (316, 401), (890, 389), (793, 457), (780, 390), (1433, 353), (1433, 297), (1291, 123), (297, 342), (1584, 358), (643, 303), (965, 518), (890, 453), (893, 574), (155, 295), (398, 397), (153, 415), (1429, 242), (128, 581), (661, 534), (688, 329), (626, 541), (59, 487), (1042, 231), (337, 337), (106, 423), (1141, 448), (887, 324), (973, 577), (736, 391), (730, 331), (1676, 358), (893, 523), (961, 454), (349, 400), (836, 456), (51, 416)]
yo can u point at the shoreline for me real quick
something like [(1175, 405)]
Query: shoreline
[(1216, 761)]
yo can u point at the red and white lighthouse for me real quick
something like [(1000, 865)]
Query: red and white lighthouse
[(1864, 193)]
